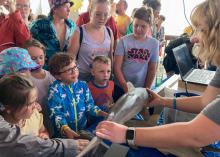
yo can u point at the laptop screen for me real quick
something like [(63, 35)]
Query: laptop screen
[(183, 59)]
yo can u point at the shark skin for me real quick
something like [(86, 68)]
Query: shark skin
[(124, 109)]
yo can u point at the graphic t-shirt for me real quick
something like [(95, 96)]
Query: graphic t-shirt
[(137, 55)]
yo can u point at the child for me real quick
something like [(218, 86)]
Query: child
[(69, 98), (41, 78), (160, 35), (19, 107), (136, 55), (100, 87)]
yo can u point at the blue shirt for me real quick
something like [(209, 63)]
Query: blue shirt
[(70, 105), (44, 31)]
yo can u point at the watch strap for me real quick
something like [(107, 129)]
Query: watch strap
[(130, 138)]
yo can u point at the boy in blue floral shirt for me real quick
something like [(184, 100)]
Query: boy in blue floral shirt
[(70, 101)]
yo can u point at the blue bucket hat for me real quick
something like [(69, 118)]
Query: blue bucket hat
[(15, 59)]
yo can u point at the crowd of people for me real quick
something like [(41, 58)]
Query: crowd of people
[(60, 78)]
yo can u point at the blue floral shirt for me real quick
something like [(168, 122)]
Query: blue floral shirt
[(70, 105), (44, 31)]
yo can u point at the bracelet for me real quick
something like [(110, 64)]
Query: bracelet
[(174, 103)]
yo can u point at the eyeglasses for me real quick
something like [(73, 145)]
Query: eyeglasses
[(24, 6), (70, 70)]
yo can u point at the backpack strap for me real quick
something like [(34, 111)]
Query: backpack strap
[(80, 40), (109, 31)]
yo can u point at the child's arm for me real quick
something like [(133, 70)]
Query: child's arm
[(43, 133), (55, 104), (102, 113), (68, 132), (118, 61), (151, 73), (152, 65)]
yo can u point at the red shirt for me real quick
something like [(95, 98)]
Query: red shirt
[(13, 31), (101, 95), (84, 18)]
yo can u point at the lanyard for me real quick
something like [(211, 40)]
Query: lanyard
[(74, 106)]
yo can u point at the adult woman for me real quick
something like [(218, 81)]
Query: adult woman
[(205, 128), (97, 39)]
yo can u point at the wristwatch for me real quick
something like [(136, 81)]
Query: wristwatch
[(130, 136)]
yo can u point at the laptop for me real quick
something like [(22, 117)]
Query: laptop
[(187, 71)]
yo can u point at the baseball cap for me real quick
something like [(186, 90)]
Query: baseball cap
[(56, 3)]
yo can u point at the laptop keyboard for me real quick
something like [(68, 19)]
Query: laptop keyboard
[(200, 76)]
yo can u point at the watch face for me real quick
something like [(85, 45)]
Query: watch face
[(130, 134)]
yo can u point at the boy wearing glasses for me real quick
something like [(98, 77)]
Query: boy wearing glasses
[(70, 100)]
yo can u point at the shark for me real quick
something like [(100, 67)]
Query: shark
[(125, 108)]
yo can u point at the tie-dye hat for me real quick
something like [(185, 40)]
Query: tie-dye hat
[(15, 59), (56, 3)]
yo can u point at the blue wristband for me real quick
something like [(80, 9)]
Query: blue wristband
[(174, 103)]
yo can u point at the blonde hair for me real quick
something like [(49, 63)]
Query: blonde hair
[(101, 59), (35, 43), (95, 2), (208, 13)]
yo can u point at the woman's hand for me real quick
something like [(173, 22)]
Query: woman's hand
[(154, 99), (111, 131), (81, 144)]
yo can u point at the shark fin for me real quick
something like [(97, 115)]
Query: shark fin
[(130, 87)]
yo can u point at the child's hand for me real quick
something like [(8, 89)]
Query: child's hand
[(110, 106), (38, 107), (44, 135), (70, 133), (103, 114)]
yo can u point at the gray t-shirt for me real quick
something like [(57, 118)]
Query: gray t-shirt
[(212, 110), (137, 55), (12, 144), (43, 87), (89, 49), (215, 82)]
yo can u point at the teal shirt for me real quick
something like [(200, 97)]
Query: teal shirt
[(44, 31), (129, 30)]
